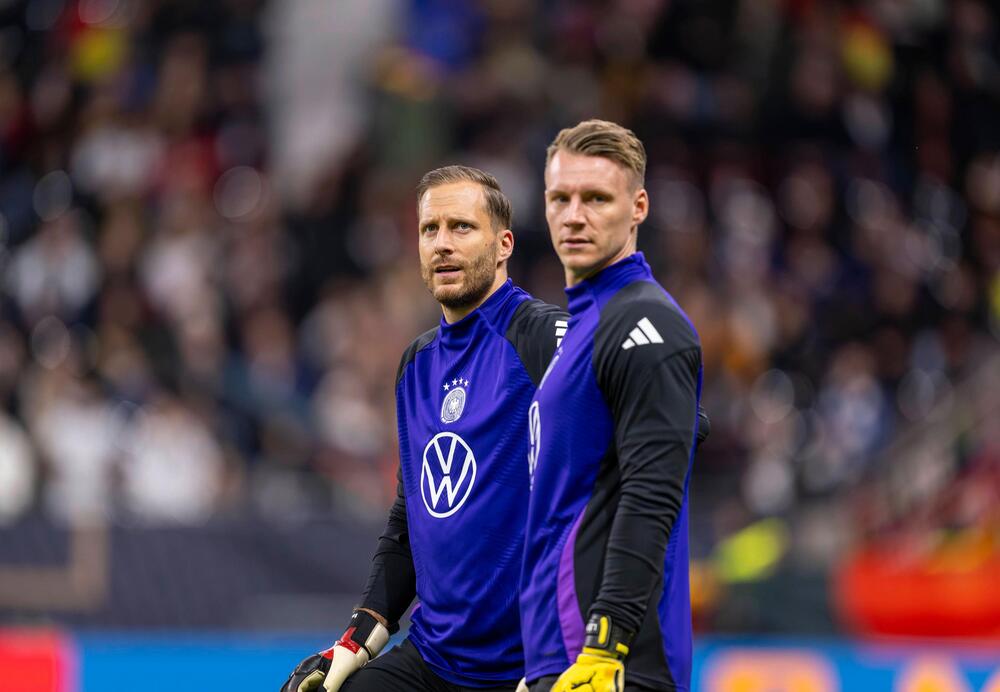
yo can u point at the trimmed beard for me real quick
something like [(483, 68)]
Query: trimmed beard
[(479, 276)]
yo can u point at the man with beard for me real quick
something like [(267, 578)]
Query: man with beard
[(455, 534)]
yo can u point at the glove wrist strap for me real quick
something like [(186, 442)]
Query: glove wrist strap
[(364, 632), (606, 636)]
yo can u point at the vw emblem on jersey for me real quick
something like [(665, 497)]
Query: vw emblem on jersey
[(447, 474), (454, 400)]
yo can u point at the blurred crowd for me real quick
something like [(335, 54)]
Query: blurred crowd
[(207, 232)]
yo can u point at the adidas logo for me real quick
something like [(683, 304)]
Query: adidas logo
[(644, 333), (561, 326)]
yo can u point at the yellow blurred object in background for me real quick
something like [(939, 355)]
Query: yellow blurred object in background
[(98, 52), (752, 553), (866, 55)]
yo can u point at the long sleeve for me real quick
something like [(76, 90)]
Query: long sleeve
[(652, 390), (392, 582)]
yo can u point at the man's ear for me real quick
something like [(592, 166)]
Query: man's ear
[(506, 243), (640, 207)]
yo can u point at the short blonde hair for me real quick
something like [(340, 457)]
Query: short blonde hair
[(603, 138)]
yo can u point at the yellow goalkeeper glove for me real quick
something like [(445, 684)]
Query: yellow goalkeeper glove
[(601, 665)]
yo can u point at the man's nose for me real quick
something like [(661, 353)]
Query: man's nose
[(444, 242), (574, 213)]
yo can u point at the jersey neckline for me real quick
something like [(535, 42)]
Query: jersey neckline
[(606, 282)]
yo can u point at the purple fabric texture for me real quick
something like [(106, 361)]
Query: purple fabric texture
[(570, 617)]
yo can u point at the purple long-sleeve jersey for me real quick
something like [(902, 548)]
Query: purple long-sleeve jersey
[(613, 428), (455, 534)]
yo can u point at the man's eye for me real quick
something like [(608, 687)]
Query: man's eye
[(600, 199), (559, 199), (430, 228), (462, 226)]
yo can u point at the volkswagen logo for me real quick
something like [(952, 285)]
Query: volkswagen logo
[(447, 475)]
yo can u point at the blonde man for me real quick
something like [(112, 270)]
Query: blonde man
[(613, 427)]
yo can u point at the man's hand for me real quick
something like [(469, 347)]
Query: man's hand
[(594, 671), (601, 665), (327, 670)]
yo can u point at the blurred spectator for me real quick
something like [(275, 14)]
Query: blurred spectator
[(55, 272), (17, 470), (171, 467), (75, 429)]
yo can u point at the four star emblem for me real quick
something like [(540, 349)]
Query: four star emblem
[(457, 382)]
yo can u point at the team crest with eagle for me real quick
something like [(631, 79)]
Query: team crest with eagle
[(454, 400)]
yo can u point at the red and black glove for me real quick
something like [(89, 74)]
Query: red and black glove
[(364, 639)]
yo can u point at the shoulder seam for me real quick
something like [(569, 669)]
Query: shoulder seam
[(661, 299), (536, 305), (542, 310), (415, 347)]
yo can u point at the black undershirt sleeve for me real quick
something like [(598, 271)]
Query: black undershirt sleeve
[(652, 391), (392, 582)]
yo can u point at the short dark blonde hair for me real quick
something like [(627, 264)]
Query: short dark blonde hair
[(499, 208), (603, 138)]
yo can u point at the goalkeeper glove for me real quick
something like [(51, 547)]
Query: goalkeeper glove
[(601, 665), (327, 670)]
